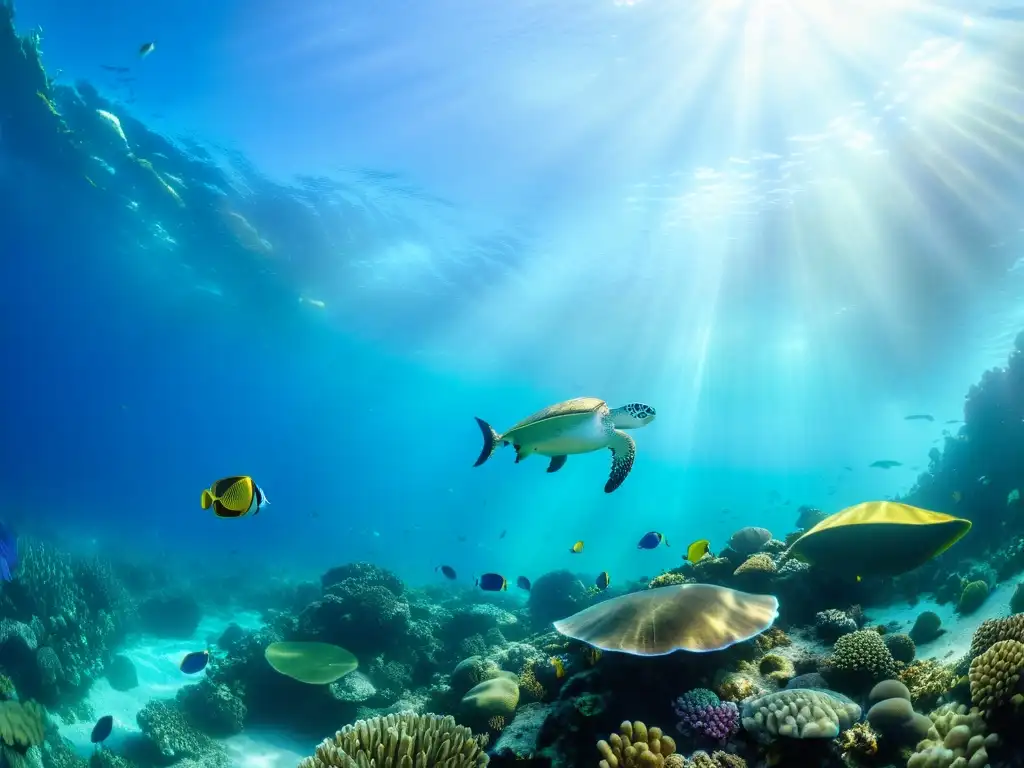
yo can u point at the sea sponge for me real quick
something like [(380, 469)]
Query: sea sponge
[(994, 630), (636, 746), (927, 627), (401, 740), (901, 647), (497, 696), (756, 564), (776, 668), (799, 713), (975, 593), (861, 658), (22, 725), (927, 680), (958, 738), (472, 671), (995, 675)]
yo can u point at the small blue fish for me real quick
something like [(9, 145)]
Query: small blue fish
[(8, 553), (102, 729), (523, 583), (651, 540), (194, 662)]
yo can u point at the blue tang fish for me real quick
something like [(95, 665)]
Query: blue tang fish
[(194, 662), (650, 540)]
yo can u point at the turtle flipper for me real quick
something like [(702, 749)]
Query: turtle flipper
[(623, 452), (491, 441), (557, 462)]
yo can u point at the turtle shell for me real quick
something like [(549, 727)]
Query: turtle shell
[(574, 407)]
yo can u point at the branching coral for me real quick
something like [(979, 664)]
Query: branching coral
[(858, 742), (927, 681), (666, 579), (634, 746), (702, 713), (406, 739)]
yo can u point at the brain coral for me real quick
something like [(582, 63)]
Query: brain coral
[(799, 713), (497, 696), (636, 746), (472, 671), (994, 630), (960, 739), (426, 741), (995, 675), (860, 658)]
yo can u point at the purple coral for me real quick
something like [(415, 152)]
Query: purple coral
[(702, 713)]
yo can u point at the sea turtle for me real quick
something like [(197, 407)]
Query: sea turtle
[(580, 425)]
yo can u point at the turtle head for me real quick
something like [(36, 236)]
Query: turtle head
[(633, 416)]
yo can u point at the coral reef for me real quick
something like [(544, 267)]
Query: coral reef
[(858, 660), (974, 594), (702, 713), (799, 714), (995, 676), (405, 739), (927, 627), (901, 647), (832, 624), (960, 738), (635, 746)]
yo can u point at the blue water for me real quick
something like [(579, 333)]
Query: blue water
[(785, 235)]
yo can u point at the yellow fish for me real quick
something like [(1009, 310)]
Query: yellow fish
[(577, 548), (559, 667), (234, 497), (697, 550)]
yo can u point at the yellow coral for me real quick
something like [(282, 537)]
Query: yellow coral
[(528, 682), (666, 579), (858, 742), (401, 740), (771, 639), (736, 686), (759, 563), (776, 668), (636, 746), (958, 737), (995, 674), (927, 680)]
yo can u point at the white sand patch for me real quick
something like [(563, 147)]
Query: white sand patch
[(956, 641), (156, 662), (264, 749)]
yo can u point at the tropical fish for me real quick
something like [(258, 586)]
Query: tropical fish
[(603, 580), (1013, 496), (234, 496), (885, 464), (523, 583), (697, 550), (8, 553), (559, 667), (194, 662), (447, 570), (102, 729), (957, 496), (650, 540), (919, 417), (576, 548), (492, 582), (145, 49)]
